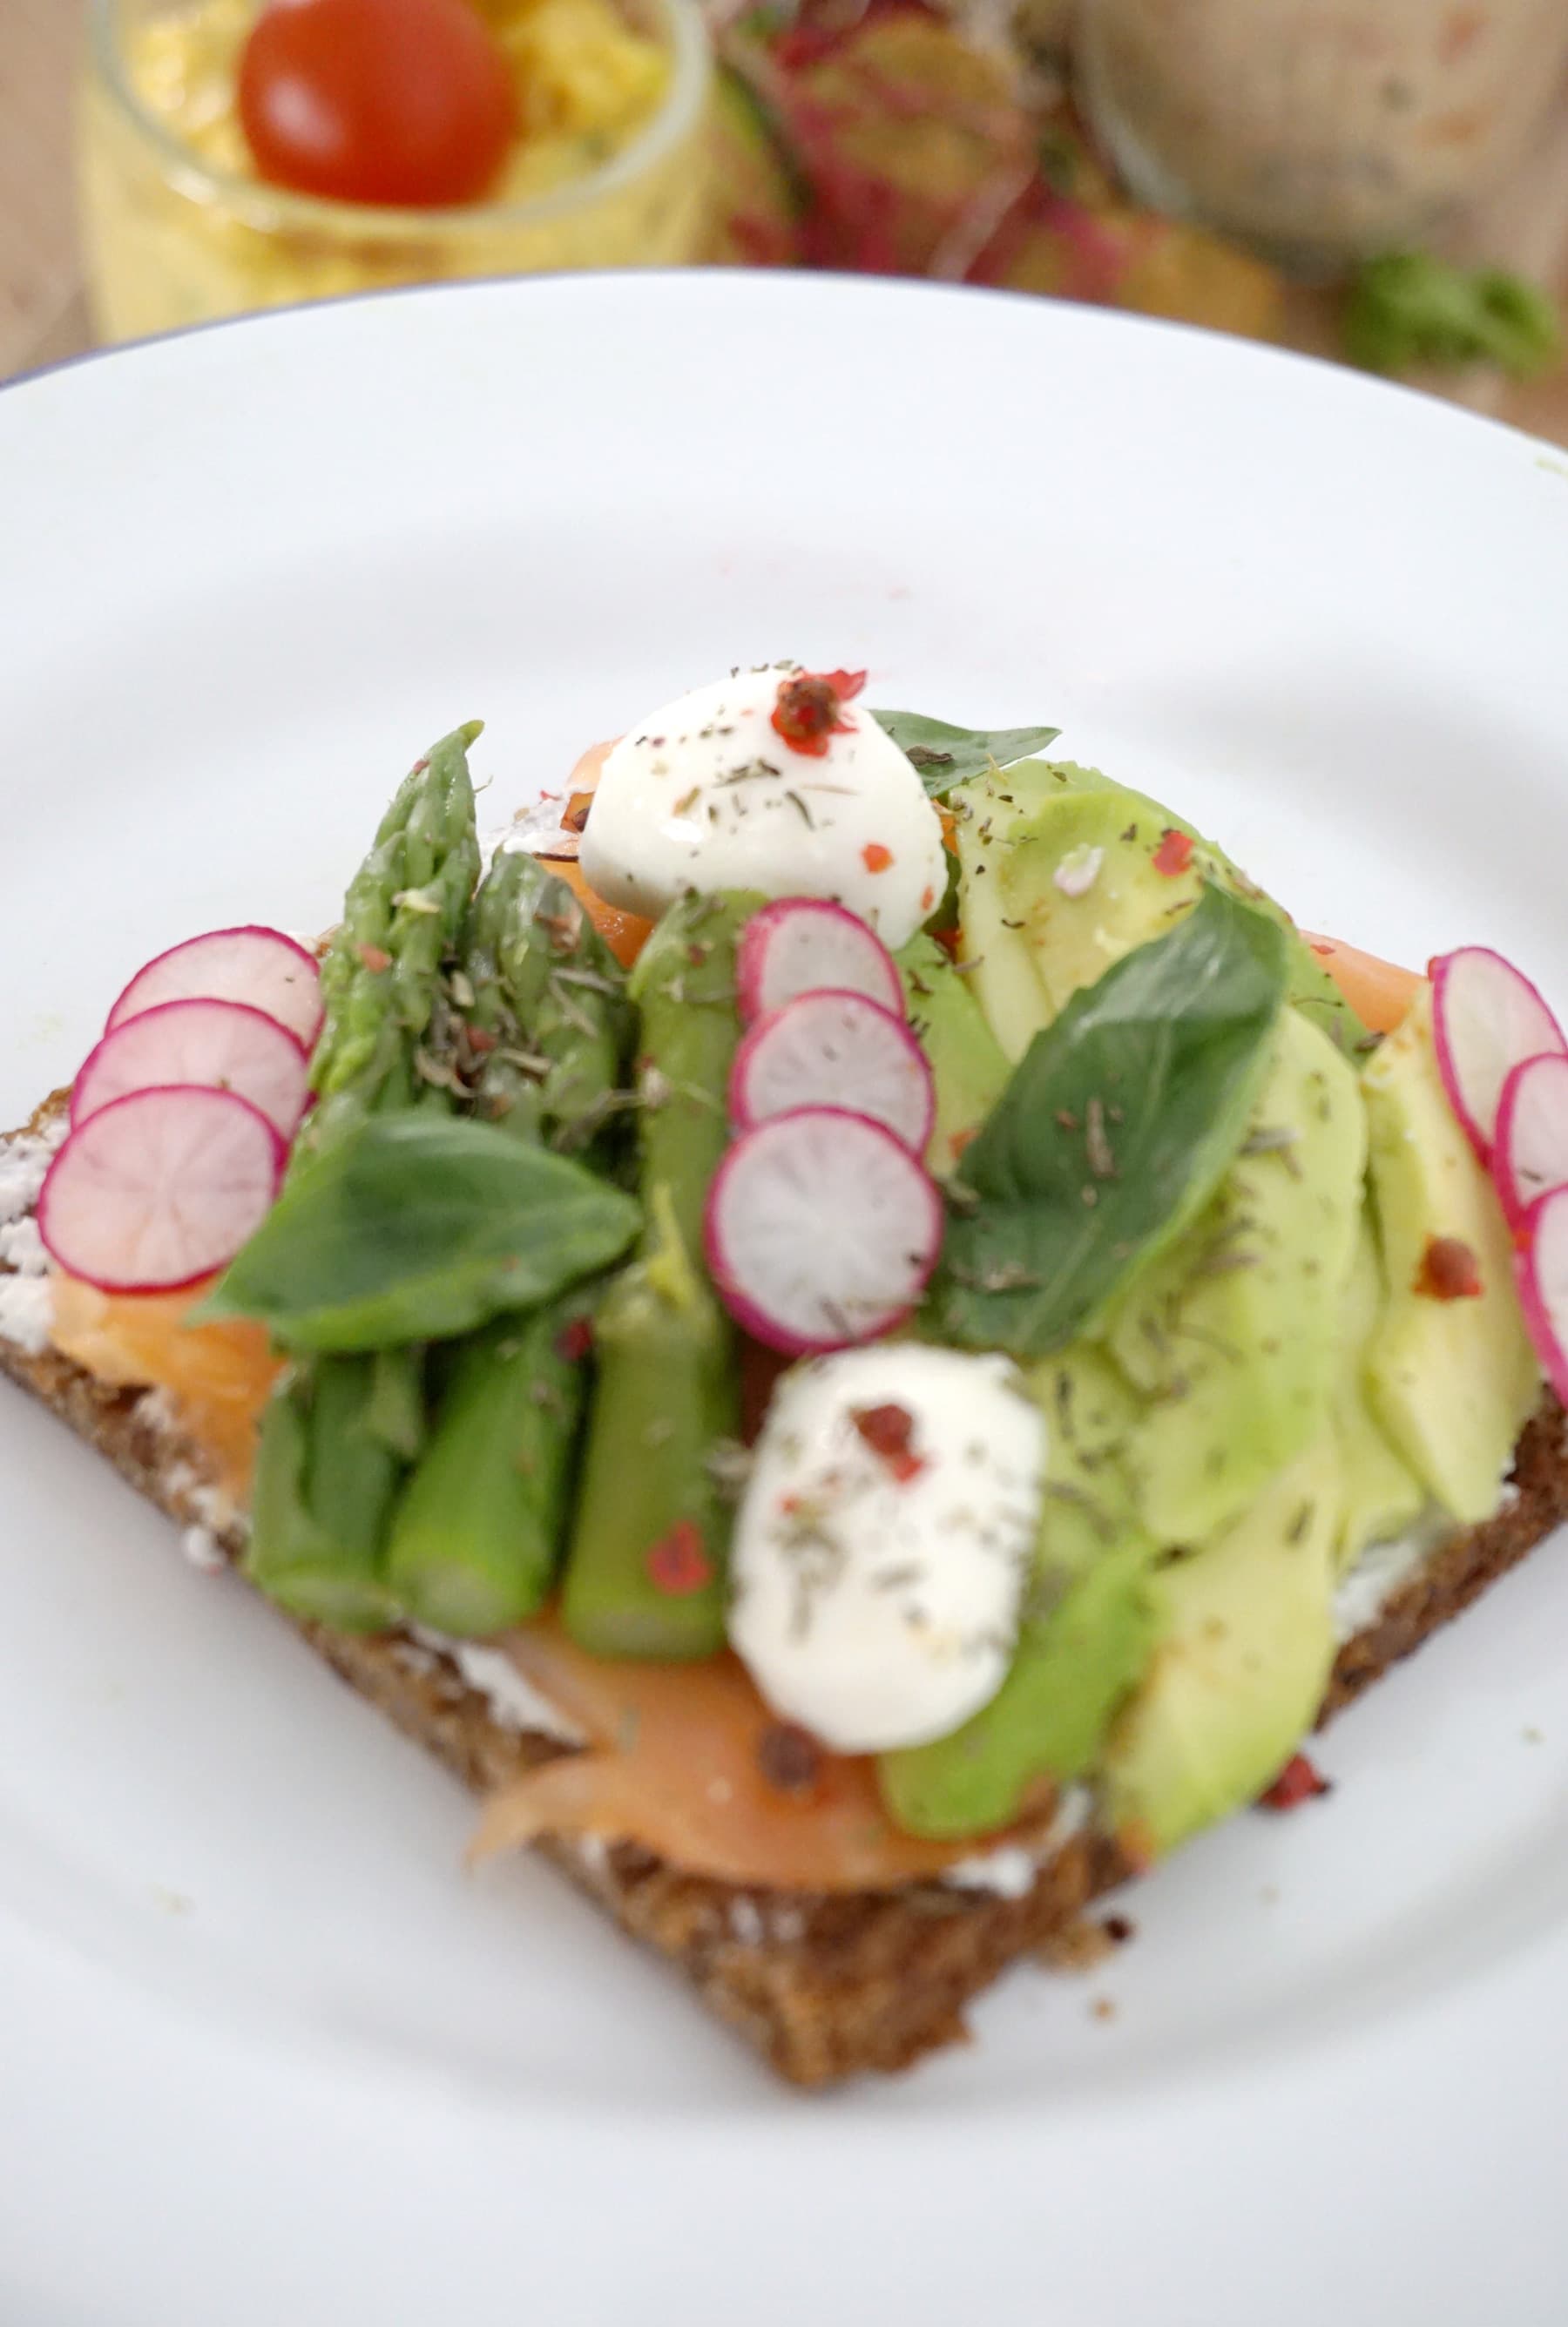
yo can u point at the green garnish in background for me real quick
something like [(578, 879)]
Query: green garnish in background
[(1115, 1127), (1408, 308)]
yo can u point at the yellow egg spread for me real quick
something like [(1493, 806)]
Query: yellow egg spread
[(608, 168)]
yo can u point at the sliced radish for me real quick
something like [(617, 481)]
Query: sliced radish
[(834, 1049), (160, 1188), (1531, 1154), (1541, 1269), (1487, 1019), (261, 967), (802, 945), (218, 1045), (821, 1230)]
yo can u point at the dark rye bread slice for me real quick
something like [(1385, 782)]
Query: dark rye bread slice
[(823, 1986)]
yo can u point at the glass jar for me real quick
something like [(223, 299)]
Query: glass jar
[(1322, 129), (175, 237)]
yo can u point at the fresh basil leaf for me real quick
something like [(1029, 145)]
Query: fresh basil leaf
[(418, 1227), (947, 756), (1116, 1126)]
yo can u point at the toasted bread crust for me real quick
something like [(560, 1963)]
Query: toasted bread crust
[(1461, 1570), (824, 1986)]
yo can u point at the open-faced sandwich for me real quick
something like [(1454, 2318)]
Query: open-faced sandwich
[(853, 1326)]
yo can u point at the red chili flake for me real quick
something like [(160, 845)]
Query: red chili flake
[(958, 1140), (875, 857), (809, 708), (887, 1431), (1175, 853), (375, 959), (928, 898), (949, 941), (1297, 1782), (1322, 946), (789, 1758), (575, 1341), (1449, 1271), (678, 1564), (482, 1040)]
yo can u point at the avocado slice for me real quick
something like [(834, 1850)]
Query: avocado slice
[(968, 1066), (1311, 990), (1099, 837), (1453, 1382), (1072, 1669), (1233, 1331), (1246, 1644), (1382, 1495), (1085, 1636), (999, 962), (1033, 944)]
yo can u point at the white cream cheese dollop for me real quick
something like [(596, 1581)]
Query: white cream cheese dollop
[(885, 1541), (705, 794)]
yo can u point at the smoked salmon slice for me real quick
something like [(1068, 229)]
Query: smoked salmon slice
[(219, 1376), (688, 1761)]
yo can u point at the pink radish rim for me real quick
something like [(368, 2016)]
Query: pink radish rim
[(133, 1098), (1514, 1212), (743, 1310), (742, 1115), (752, 950), (1438, 970), (186, 1002), (1537, 1322), (240, 929)]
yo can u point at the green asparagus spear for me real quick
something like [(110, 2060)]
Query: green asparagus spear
[(644, 1567), (644, 1570), (323, 1484), (476, 1532), (477, 1536), (394, 1414), (548, 988), (332, 1441), (684, 986), (507, 1084), (380, 979)]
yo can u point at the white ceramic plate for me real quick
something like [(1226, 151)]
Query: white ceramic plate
[(265, 2054)]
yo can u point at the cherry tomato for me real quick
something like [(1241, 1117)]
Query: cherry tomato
[(401, 101)]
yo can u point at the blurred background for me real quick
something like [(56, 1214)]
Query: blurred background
[(1384, 181)]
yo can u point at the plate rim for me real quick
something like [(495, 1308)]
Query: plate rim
[(1522, 1984)]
